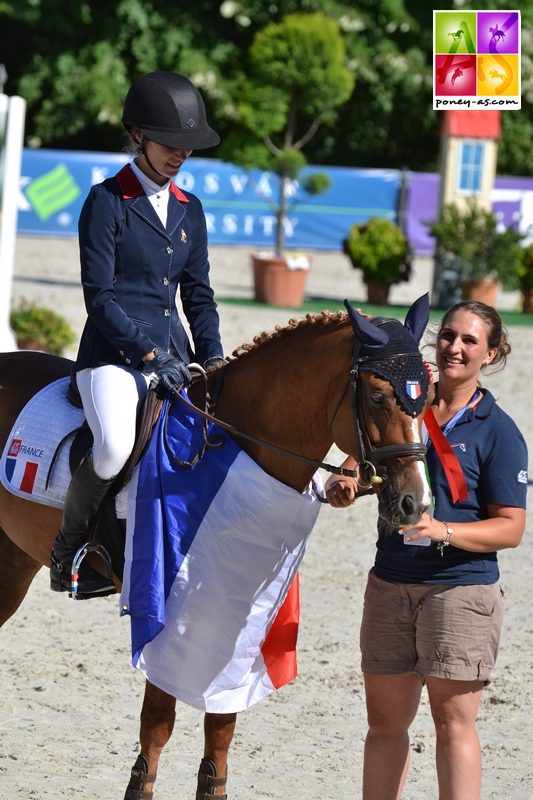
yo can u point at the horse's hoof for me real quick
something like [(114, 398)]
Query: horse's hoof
[(139, 778), (208, 781)]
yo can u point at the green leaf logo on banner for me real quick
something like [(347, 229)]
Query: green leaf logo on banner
[(52, 192)]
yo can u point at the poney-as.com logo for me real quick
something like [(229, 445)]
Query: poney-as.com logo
[(476, 60)]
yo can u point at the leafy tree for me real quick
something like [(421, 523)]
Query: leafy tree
[(84, 55), (83, 61), (297, 79)]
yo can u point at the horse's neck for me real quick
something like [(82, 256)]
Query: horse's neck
[(284, 392)]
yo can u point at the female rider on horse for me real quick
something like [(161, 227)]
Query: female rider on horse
[(140, 238)]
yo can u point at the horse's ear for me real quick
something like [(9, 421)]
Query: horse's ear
[(367, 333), (417, 317)]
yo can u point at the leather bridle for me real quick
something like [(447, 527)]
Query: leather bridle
[(370, 456)]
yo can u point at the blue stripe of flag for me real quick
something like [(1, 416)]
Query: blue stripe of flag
[(171, 503), (11, 463)]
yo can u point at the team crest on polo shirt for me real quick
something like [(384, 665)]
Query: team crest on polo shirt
[(183, 235), (460, 445), (522, 476), (413, 389)]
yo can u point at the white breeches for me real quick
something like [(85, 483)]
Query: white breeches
[(110, 400)]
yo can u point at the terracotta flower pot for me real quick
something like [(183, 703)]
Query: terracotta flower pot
[(32, 344), (484, 291), (277, 284)]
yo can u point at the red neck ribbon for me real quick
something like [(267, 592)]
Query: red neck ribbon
[(448, 459)]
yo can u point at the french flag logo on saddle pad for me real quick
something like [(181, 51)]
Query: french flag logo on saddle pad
[(413, 389), (20, 473)]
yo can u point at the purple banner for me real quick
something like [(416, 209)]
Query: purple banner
[(512, 202)]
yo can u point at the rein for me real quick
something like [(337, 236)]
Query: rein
[(371, 456), (225, 426)]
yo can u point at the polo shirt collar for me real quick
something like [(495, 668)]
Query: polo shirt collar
[(482, 410), (485, 405)]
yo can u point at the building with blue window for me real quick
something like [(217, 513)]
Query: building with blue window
[(469, 150)]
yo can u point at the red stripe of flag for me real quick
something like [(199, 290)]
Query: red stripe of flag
[(279, 647), (28, 479)]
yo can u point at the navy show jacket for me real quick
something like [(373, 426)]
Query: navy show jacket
[(131, 269)]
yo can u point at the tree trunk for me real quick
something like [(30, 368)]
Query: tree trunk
[(377, 293)]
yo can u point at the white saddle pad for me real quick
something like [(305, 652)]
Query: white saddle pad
[(31, 445)]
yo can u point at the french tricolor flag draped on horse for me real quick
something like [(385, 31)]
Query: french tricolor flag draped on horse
[(210, 579)]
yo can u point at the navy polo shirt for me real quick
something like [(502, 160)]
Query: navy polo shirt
[(493, 456)]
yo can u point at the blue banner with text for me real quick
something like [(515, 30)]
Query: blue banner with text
[(239, 205)]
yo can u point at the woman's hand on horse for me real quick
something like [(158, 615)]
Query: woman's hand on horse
[(171, 371), (340, 492), (428, 527)]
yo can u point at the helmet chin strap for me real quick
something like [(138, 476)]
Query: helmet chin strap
[(145, 154)]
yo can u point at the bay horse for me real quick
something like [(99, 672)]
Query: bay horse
[(289, 397)]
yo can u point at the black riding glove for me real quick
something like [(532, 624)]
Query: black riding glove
[(172, 373)]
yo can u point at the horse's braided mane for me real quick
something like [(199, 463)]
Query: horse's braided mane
[(324, 318)]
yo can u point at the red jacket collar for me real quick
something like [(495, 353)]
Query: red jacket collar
[(130, 187)]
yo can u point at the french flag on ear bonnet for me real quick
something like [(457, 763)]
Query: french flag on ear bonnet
[(210, 579), (390, 350), (413, 389)]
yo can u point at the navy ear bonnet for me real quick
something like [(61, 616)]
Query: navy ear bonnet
[(389, 349), (399, 362)]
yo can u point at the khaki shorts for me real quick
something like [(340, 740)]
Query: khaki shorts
[(434, 630)]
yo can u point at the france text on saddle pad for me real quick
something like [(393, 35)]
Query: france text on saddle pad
[(31, 445)]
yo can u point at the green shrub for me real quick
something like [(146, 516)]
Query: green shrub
[(38, 328), (475, 247), (379, 248)]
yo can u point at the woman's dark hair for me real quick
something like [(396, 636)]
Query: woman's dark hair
[(497, 338)]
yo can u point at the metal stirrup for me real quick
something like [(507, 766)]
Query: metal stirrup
[(77, 560)]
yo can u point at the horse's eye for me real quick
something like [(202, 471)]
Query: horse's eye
[(378, 398)]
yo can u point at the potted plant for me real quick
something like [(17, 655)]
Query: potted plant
[(38, 328), (525, 279), (471, 243), (296, 79), (379, 248)]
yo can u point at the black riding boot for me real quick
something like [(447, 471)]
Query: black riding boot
[(84, 496)]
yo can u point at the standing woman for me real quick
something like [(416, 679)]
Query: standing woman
[(140, 239), (433, 603)]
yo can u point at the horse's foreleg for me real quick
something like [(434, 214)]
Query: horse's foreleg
[(218, 734), (157, 722), (17, 570)]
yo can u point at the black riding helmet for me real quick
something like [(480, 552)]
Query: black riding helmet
[(168, 109)]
